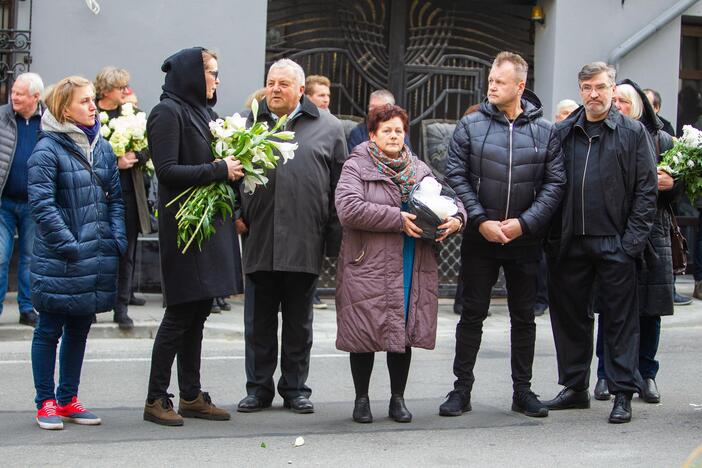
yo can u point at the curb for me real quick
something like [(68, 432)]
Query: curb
[(141, 330)]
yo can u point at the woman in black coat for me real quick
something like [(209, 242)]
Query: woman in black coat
[(179, 142)]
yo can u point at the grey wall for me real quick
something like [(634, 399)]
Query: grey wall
[(578, 32), (67, 38)]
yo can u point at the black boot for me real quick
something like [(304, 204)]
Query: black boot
[(621, 412), (649, 391), (361, 410), (123, 320), (398, 411), (602, 390)]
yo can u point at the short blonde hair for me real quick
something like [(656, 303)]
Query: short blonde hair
[(629, 93), (315, 80), (110, 78), (521, 67), (61, 95)]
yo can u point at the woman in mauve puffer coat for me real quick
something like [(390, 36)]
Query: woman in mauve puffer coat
[(387, 278)]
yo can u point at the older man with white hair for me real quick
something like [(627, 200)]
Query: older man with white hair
[(564, 108), (19, 126), (289, 225)]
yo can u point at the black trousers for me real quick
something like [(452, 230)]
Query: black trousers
[(542, 283), (479, 276), (126, 261), (267, 292), (180, 334), (398, 368), (593, 259)]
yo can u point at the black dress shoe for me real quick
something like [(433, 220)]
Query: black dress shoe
[(136, 301), (569, 399), (299, 405), (223, 304), (398, 411), (361, 410), (602, 390), (621, 412), (649, 392), (251, 404)]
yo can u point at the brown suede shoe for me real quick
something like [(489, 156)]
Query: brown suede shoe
[(161, 412), (203, 408)]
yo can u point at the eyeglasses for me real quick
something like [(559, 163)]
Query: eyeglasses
[(600, 88), (213, 73)]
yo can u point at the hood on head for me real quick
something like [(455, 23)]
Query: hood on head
[(648, 115), (185, 77), (531, 106)]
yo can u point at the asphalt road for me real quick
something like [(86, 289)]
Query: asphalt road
[(116, 370)]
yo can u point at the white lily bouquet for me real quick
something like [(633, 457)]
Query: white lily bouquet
[(256, 149), (126, 132), (684, 161)]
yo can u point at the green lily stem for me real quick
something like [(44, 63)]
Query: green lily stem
[(197, 228), (181, 194)]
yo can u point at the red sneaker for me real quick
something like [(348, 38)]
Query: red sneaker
[(75, 412), (47, 417)]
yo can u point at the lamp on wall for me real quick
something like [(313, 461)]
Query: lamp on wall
[(537, 14)]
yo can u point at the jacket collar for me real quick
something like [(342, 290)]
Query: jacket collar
[(578, 118), (307, 108)]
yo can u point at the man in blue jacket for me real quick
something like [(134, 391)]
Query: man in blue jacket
[(19, 127), (505, 164)]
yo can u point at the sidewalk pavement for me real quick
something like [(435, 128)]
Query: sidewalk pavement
[(229, 325)]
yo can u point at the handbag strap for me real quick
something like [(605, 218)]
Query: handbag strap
[(89, 168), (673, 222)]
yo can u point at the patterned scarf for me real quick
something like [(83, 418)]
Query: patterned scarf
[(400, 169)]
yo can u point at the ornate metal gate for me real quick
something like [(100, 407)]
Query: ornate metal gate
[(434, 55), (15, 42)]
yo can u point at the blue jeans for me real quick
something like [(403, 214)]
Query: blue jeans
[(15, 217), (50, 327)]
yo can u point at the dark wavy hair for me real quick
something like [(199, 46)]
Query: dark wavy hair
[(384, 113)]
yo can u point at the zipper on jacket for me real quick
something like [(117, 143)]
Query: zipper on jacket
[(509, 174), (582, 191)]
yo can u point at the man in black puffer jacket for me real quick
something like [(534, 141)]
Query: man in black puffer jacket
[(602, 228), (506, 165)]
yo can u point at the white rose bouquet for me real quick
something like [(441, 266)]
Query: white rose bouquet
[(684, 161), (256, 148), (126, 132)]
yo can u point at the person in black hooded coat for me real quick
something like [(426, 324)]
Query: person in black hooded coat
[(655, 279), (179, 142)]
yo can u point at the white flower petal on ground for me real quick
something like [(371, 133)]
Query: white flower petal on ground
[(299, 442)]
